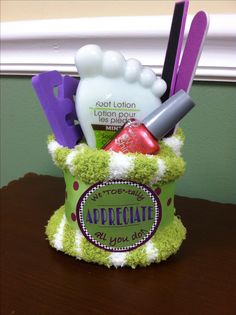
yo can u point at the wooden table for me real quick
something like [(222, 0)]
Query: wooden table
[(38, 280)]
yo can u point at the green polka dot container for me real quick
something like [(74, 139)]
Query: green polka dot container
[(85, 167)]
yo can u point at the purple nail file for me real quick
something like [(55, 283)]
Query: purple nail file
[(59, 110), (174, 47), (192, 52)]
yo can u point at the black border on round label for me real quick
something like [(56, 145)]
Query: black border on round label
[(91, 239)]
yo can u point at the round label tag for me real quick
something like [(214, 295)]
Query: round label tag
[(118, 215)]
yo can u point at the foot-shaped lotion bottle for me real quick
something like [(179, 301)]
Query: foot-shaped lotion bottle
[(111, 91)]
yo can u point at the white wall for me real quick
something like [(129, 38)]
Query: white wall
[(31, 9)]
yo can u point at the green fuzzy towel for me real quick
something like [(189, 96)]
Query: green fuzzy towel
[(164, 243), (92, 165)]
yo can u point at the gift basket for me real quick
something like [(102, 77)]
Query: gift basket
[(118, 145)]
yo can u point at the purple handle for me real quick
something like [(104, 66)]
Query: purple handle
[(59, 110)]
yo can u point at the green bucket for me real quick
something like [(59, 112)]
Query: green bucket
[(88, 174)]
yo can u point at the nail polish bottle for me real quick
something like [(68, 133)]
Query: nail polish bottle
[(143, 136)]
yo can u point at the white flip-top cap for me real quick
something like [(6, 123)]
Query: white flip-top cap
[(165, 117)]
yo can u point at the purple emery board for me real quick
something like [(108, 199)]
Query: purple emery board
[(174, 47), (192, 52), (60, 109)]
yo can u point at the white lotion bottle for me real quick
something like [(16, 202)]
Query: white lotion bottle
[(111, 91)]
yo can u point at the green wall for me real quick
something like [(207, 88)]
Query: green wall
[(210, 130)]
